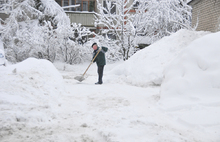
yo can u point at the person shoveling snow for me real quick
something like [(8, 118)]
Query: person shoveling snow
[(99, 58)]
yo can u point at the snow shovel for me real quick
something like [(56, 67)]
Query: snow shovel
[(81, 78)]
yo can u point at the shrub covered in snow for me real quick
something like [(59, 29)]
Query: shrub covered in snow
[(41, 29), (162, 17), (117, 24)]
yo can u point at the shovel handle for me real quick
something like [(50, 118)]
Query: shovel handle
[(91, 62)]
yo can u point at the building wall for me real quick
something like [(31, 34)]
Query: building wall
[(207, 13)]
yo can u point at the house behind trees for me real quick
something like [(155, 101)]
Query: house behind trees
[(85, 12)]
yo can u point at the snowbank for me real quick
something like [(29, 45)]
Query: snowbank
[(29, 95), (195, 72), (191, 87), (39, 77), (146, 66)]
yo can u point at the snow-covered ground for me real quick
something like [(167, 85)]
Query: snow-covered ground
[(169, 91)]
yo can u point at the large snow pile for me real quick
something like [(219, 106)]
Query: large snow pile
[(146, 66), (195, 70), (28, 91), (192, 82)]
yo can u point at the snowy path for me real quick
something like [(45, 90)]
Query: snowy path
[(37, 106), (114, 111), (119, 112)]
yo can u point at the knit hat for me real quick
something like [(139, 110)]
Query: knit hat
[(94, 44)]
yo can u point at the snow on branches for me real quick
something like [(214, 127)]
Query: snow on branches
[(41, 29), (115, 20), (159, 18), (152, 18)]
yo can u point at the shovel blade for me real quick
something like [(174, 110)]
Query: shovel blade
[(79, 78)]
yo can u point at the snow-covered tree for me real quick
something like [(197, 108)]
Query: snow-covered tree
[(72, 46), (159, 18), (115, 19), (41, 29), (20, 13)]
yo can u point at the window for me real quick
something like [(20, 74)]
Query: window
[(80, 7), (85, 6), (91, 6), (72, 3), (66, 3)]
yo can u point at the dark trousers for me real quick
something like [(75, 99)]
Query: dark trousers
[(100, 72)]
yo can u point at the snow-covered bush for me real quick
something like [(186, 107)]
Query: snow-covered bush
[(41, 29), (22, 15), (157, 19), (70, 43), (115, 20)]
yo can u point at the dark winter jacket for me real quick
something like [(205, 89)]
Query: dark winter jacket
[(100, 59)]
